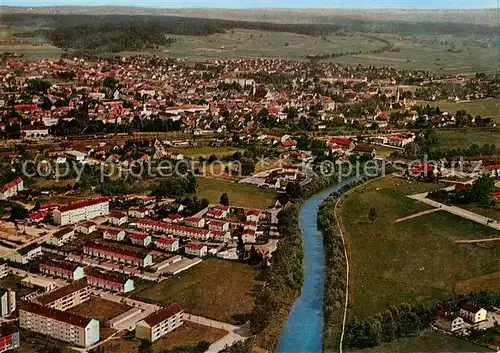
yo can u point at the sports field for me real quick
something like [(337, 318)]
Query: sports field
[(414, 261), (489, 107)]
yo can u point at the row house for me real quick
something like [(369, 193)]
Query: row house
[(74, 329), (174, 229), (9, 337), (67, 297), (11, 189), (218, 225), (62, 269), (142, 239), (113, 281), (119, 255), (61, 237), (81, 211), (252, 215), (196, 249), (117, 218), (114, 234), (222, 236), (87, 227), (27, 253), (249, 235), (195, 222), (173, 218), (159, 323), (166, 243), (34, 131), (139, 212)]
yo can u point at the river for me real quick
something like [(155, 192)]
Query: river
[(303, 331)]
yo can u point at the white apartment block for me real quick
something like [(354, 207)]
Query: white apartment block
[(61, 325), (81, 211), (67, 297), (159, 323)]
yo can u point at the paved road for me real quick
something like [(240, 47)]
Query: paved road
[(456, 211)]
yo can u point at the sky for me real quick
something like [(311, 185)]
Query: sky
[(373, 4)]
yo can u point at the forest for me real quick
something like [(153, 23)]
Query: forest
[(99, 34)]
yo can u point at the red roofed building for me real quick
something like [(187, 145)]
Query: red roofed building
[(109, 280), (341, 143), (222, 236), (61, 325), (9, 337), (196, 249), (166, 243), (114, 234), (12, 188), (289, 145), (119, 255), (174, 229), (218, 225), (63, 269), (196, 222), (249, 236), (142, 239), (82, 210), (159, 323)]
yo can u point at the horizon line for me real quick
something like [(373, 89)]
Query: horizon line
[(253, 8)]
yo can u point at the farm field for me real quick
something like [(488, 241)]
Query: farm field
[(465, 138), (196, 152), (99, 309), (489, 282), (414, 261), (489, 107), (427, 341), (239, 194), (217, 289), (188, 335)]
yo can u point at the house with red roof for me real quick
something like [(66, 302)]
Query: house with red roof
[(173, 229), (118, 255), (114, 234), (252, 215), (196, 249), (222, 236), (12, 188), (196, 222), (80, 211), (167, 243), (218, 225), (142, 239), (249, 236)]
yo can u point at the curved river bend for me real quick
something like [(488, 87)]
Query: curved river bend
[(303, 331)]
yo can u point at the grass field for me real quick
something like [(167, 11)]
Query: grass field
[(100, 309), (189, 334), (427, 341), (465, 138), (196, 152), (217, 289), (239, 194), (489, 282), (385, 151), (489, 107), (415, 261)]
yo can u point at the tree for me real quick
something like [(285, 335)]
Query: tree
[(224, 199), (481, 190), (18, 212), (37, 206), (247, 166), (372, 214)]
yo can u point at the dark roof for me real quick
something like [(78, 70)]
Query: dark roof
[(62, 232), (107, 275), (57, 315), (65, 265), (62, 292), (27, 248), (469, 307), (8, 329), (163, 314)]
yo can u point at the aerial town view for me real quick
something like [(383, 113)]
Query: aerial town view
[(249, 177)]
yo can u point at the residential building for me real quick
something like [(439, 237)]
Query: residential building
[(61, 237), (110, 280), (11, 189), (142, 239), (364, 151), (27, 253), (39, 284), (472, 313), (117, 218), (173, 218), (196, 249), (7, 302), (252, 215), (138, 212), (249, 236), (66, 297), (76, 156), (196, 222), (87, 227), (114, 234), (61, 325), (166, 243), (222, 236), (458, 324), (218, 225), (34, 131), (4, 269), (9, 337), (174, 229), (81, 211), (159, 323), (119, 255), (63, 269)]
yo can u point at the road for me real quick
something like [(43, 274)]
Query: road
[(457, 211)]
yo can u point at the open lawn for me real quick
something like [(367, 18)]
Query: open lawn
[(489, 107), (489, 283), (427, 341), (464, 138), (385, 151), (415, 261), (196, 152), (217, 289), (239, 194), (188, 335), (99, 309)]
